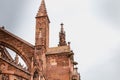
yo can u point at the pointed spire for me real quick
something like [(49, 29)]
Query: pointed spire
[(42, 10), (62, 41)]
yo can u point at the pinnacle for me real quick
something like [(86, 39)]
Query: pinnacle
[(62, 41), (42, 10), (62, 29)]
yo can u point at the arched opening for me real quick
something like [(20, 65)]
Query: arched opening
[(11, 55), (14, 55)]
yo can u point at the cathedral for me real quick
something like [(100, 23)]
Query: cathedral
[(43, 62)]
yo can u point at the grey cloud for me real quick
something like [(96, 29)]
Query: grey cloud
[(108, 9), (10, 12), (107, 70)]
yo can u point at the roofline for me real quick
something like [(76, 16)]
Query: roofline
[(9, 33), (66, 53)]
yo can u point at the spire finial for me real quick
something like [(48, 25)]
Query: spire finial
[(61, 24), (62, 29), (42, 10)]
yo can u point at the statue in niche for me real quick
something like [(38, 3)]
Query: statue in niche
[(36, 76)]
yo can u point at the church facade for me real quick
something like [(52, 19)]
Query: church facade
[(43, 62)]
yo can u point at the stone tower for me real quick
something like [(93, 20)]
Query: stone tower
[(41, 40), (42, 27)]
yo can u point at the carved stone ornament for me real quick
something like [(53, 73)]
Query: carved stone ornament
[(53, 62), (2, 67)]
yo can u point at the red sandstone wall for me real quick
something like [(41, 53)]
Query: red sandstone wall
[(58, 67)]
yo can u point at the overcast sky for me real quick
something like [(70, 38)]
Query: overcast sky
[(92, 27)]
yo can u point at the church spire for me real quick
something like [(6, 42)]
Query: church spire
[(42, 27), (42, 10), (62, 41)]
